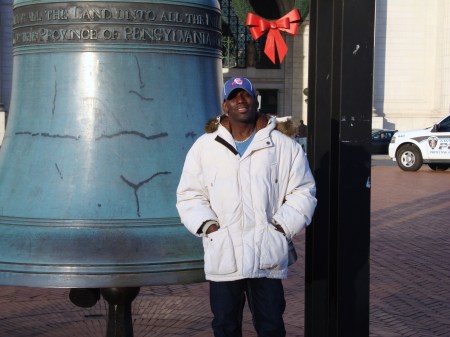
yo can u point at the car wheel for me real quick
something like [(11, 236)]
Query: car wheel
[(439, 167), (409, 158)]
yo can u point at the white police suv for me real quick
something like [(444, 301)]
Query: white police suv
[(429, 146)]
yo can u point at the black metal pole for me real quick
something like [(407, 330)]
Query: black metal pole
[(339, 121)]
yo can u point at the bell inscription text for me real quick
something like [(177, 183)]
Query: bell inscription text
[(116, 23)]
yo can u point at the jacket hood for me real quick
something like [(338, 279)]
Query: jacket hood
[(284, 124)]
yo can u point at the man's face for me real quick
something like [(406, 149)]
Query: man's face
[(240, 106)]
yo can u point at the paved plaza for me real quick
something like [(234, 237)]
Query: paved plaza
[(410, 278)]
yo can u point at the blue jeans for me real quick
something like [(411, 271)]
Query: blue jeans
[(265, 299)]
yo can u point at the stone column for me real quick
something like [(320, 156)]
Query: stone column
[(443, 78)]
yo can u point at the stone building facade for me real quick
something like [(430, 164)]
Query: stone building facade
[(412, 63)]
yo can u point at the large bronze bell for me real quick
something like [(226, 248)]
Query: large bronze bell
[(107, 97)]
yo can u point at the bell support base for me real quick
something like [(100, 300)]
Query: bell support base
[(120, 323)]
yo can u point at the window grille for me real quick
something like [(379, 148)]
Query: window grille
[(235, 42)]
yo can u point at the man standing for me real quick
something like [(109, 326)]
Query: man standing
[(247, 189)]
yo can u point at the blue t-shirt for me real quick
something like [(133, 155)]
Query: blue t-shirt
[(242, 146)]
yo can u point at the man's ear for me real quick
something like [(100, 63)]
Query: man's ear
[(225, 107), (256, 103)]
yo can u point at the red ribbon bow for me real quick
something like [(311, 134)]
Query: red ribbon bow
[(259, 26)]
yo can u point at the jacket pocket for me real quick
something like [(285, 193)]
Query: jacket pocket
[(274, 249), (219, 253)]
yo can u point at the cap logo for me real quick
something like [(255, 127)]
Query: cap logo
[(238, 81)]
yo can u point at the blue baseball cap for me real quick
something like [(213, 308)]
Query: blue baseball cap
[(237, 83)]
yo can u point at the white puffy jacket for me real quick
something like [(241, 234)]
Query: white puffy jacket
[(270, 183)]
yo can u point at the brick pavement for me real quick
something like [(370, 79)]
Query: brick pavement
[(410, 253), (410, 288)]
